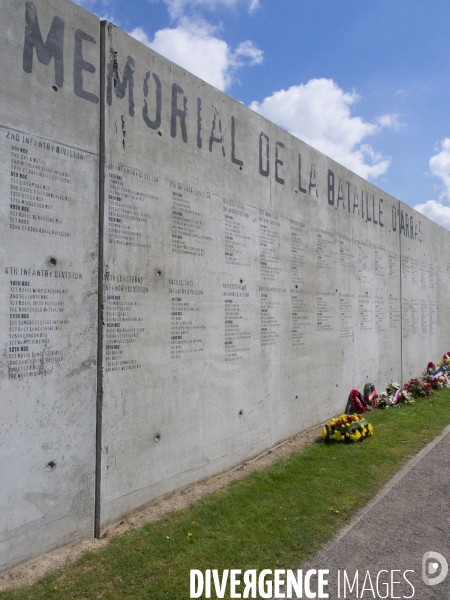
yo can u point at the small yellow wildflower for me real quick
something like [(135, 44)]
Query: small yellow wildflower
[(189, 535)]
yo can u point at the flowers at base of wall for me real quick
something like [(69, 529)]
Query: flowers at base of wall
[(394, 395), (434, 377), (347, 429), (419, 387), (443, 365)]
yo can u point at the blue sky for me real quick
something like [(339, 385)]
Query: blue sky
[(367, 83)]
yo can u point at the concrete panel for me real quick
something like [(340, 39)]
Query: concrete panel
[(249, 281), (49, 134), (425, 268)]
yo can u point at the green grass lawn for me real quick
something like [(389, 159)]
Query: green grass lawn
[(271, 519)]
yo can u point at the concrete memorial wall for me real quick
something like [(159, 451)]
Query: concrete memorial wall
[(49, 144), (248, 281)]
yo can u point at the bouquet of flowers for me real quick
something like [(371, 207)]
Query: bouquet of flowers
[(431, 370), (347, 428), (370, 395), (419, 387), (439, 376), (444, 364), (439, 381), (394, 395)]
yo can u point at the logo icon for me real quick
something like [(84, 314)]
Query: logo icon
[(434, 568)]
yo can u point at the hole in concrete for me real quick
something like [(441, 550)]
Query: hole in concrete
[(157, 437), (296, 397), (50, 466), (296, 286), (337, 385), (296, 192), (54, 88), (241, 281), (159, 133), (159, 273), (240, 168), (52, 261), (241, 412)]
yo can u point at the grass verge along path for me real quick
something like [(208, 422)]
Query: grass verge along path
[(271, 519)]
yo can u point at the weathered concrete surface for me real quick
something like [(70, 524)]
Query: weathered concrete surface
[(425, 280), (408, 518), (250, 281), (48, 288)]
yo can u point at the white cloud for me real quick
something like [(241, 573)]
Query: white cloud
[(109, 17), (440, 166), (249, 50), (438, 210), (104, 9), (139, 34), (319, 113), (178, 8), (193, 46), (390, 120)]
